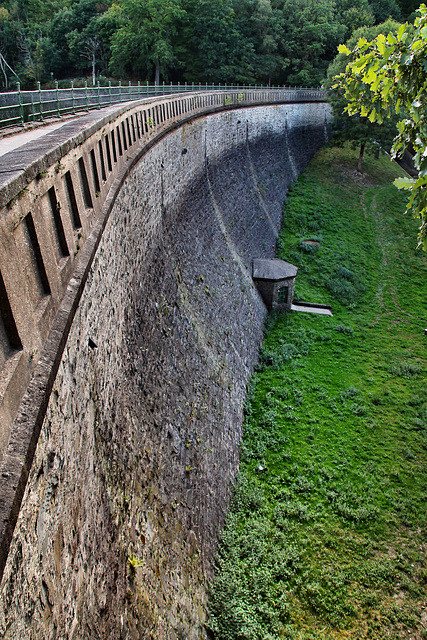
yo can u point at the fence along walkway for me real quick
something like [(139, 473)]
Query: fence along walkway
[(55, 198), (21, 107)]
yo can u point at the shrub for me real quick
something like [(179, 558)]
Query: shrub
[(346, 286), (405, 369), (341, 328)]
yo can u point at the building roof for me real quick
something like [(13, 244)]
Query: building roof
[(273, 269)]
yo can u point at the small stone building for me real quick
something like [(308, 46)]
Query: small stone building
[(275, 280)]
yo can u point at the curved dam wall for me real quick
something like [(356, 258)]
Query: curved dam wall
[(139, 447)]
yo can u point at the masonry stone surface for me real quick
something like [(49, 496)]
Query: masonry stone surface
[(139, 448)]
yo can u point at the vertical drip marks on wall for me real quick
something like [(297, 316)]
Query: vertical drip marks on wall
[(230, 245), (162, 189), (273, 227), (288, 149)]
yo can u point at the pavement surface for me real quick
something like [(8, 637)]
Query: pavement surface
[(16, 140)]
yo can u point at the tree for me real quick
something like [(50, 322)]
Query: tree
[(311, 32), (354, 14), (84, 37), (355, 129), (390, 73), (145, 37), (384, 9)]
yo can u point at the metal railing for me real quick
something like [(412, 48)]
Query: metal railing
[(21, 107)]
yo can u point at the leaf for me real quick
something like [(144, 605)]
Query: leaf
[(381, 43), (343, 49), (404, 183), (406, 58), (401, 31), (370, 76), (372, 115)]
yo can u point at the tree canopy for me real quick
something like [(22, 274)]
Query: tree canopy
[(357, 130), (228, 41), (390, 74)]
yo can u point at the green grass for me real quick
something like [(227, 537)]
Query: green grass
[(326, 534)]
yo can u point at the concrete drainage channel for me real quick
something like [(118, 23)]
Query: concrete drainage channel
[(311, 307)]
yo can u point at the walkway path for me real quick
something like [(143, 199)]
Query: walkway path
[(16, 140)]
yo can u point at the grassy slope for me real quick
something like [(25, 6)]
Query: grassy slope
[(327, 533)]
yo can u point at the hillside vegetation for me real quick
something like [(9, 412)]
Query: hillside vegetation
[(327, 533), (227, 41)]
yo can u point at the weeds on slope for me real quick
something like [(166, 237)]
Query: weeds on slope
[(327, 531)]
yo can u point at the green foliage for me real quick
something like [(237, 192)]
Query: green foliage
[(389, 74), (346, 286), (361, 132), (227, 41), (326, 525), (145, 34)]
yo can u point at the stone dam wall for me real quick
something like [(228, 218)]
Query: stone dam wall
[(139, 446)]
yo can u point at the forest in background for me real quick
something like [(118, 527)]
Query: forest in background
[(278, 42)]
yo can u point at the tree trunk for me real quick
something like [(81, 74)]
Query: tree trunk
[(4, 70), (93, 68), (157, 78), (361, 152)]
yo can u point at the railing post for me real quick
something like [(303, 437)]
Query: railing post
[(32, 107), (179, 87), (57, 98), (87, 103), (72, 97), (109, 90), (139, 88), (40, 101), (21, 107), (185, 87), (170, 91), (129, 90), (192, 87), (99, 95), (147, 88), (120, 90), (163, 87)]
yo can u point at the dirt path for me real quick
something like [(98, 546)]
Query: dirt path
[(385, 242)]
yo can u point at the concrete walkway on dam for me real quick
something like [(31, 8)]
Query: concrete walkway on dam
[(18, 139)]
